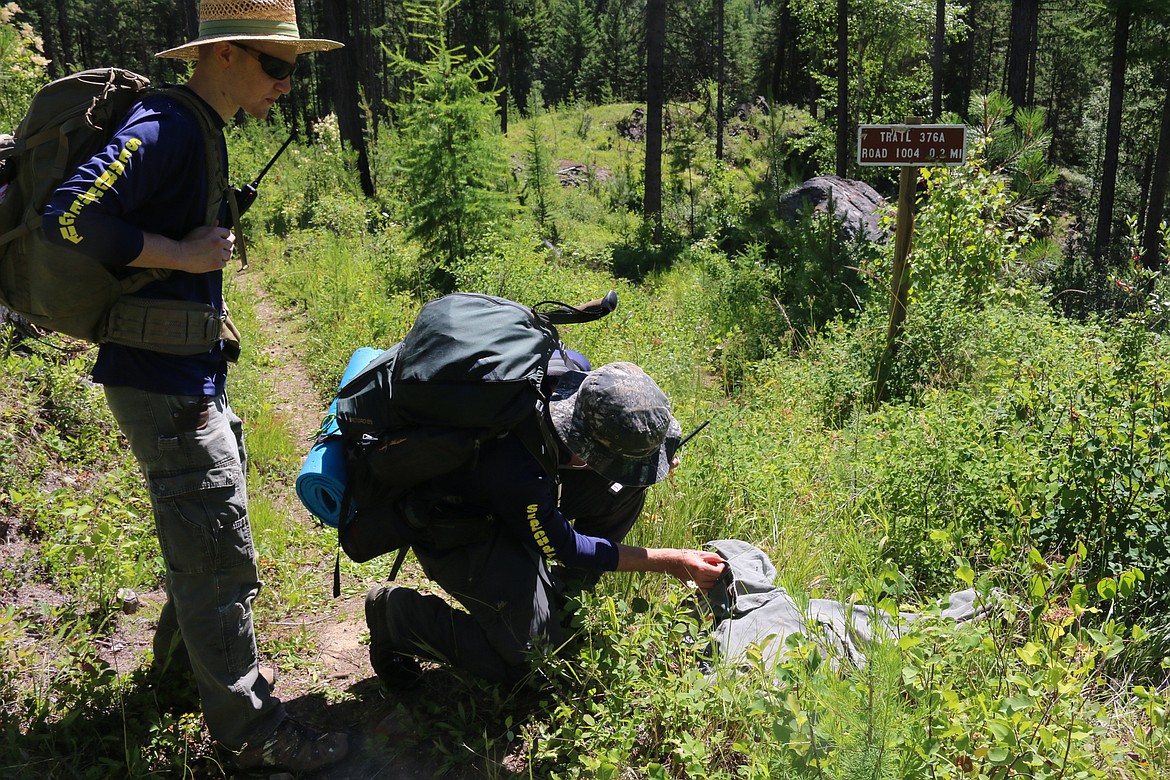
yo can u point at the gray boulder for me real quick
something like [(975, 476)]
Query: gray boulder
[(855, 203)]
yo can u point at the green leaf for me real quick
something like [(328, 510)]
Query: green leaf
[(1031, 653), (1107, 588), (1127, 582), (1021, 701), (1039, 587), (999, 755)]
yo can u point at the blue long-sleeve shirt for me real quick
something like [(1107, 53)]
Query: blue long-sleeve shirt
[(508, 483), (150, 178)]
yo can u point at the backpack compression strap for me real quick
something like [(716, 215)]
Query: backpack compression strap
[(182, 327)]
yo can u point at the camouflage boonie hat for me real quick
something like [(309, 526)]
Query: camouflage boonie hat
[(616, 419)]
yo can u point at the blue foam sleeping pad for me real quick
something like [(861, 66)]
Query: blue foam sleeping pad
[(321, 483)]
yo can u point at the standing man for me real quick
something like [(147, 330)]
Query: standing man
[(143, 203), (504, 523)]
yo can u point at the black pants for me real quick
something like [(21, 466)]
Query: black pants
[(509, 597)]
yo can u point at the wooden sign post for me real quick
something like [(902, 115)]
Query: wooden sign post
[(908, 146)]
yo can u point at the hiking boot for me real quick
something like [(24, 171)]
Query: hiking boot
[(293, 748), (396, 670)]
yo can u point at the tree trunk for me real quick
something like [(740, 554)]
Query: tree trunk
[(655, 52), (1021, 50), (189, 9), (502, 74), (345, 68), (782, 35), (963, 72), (1104, 234), (782, 42), (1033, 48), (51, 49), (940, 40), (64, 38), (842, 168), (719, 87), (1152, 240)]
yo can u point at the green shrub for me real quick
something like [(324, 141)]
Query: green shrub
[(775, 294), (313, 183), (23, 64), (1100, 471), (1025, 690), (1021, 689), (609, 720), (450, 159)]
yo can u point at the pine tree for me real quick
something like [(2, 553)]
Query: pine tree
[(451, 156), (538, 176), (570, 63)]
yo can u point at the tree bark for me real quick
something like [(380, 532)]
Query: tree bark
[(719, 86), (940, 40), (1021, 50), (655, 53), (782, 26), (1104, 233), (1152, 239), (843, 134), (64, 38), (345, 68), (502, 74), (51, 48), (190, 13)]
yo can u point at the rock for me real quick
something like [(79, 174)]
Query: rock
[(128, 600), (633, 127), (855, 203)]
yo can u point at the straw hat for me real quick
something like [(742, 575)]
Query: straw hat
[(248, 20)]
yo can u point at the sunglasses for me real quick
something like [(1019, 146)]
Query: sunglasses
[(273, 67)]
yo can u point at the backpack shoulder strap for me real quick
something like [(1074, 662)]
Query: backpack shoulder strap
[(217, 184), (219, 189)]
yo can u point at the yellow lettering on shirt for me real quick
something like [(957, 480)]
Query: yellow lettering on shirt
[(538, 534), (102, 184)]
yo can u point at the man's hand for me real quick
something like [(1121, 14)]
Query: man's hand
[(695, 566), (699, 567), (203, 250)]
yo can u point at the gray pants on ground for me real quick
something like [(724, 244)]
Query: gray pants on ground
[(191, 450)]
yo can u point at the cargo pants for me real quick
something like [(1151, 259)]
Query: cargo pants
[(191, 451)]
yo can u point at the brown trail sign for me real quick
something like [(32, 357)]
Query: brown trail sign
[(909, 146)]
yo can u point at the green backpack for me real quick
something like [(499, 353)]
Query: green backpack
[(472, 368), (68, 121)]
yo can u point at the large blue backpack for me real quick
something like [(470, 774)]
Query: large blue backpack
[(472, 368)]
